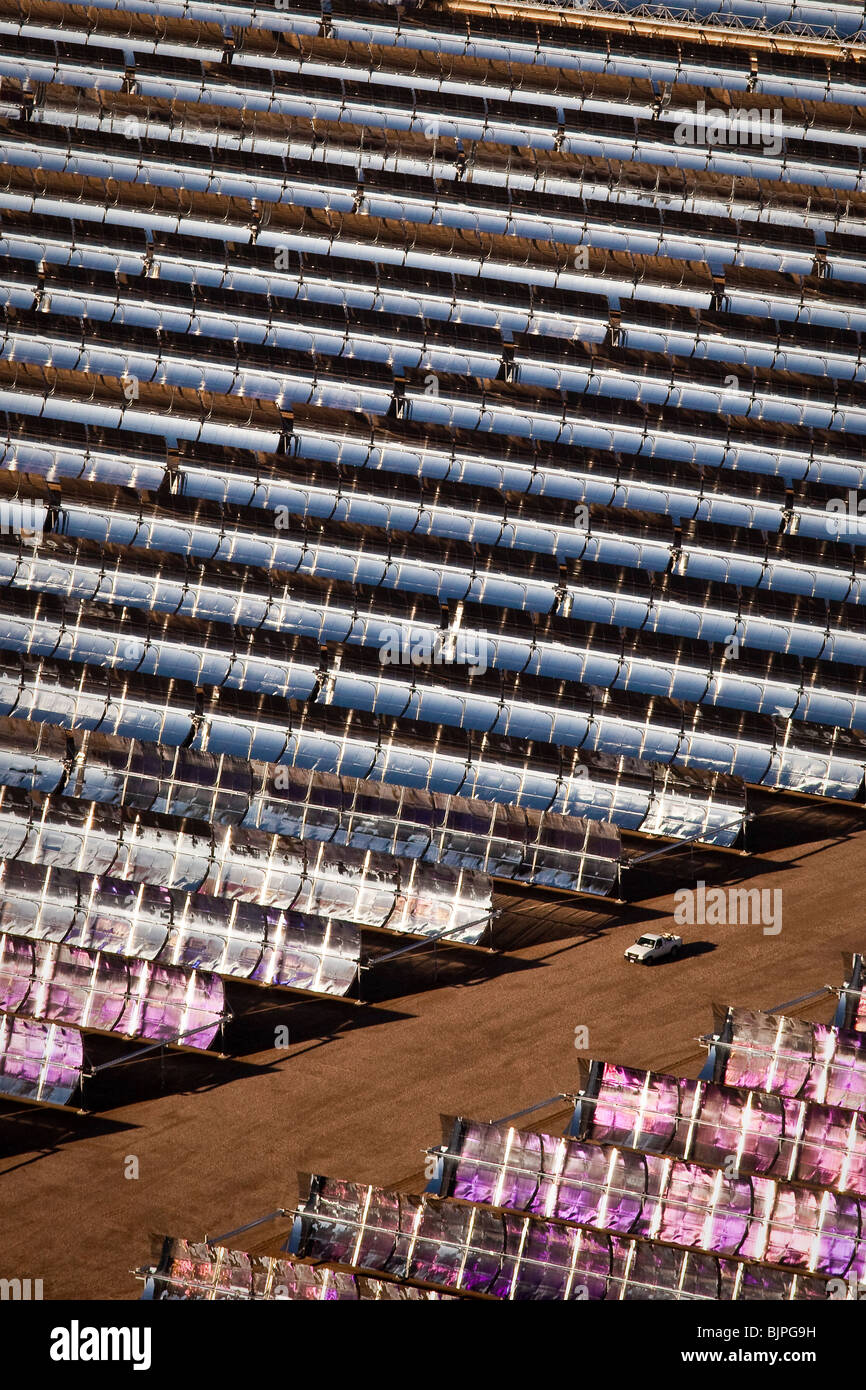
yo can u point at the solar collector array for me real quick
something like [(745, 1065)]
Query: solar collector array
[(184, 1269), (146, 922), (655, 1195), (477, 1249), (750, 1131), (503, 840), (329, 330), (376, 890)]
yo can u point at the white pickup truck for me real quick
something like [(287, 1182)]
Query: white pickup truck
[(653, 946)]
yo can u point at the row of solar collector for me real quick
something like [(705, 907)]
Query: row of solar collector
[(50, 994), (792, 1139), (779, 153), (658, 1195), (477, 1248), (790, 1057), (722, 500), (798, 16), (406, 626), (449, 164), (94, 991), (256, 27), (613, 722), (381, 195), (631, 1240), (324, 383), (447, 572), (525, 712), (757, 1219), (347, 178), (193, 931), (402, 895), (501, 840), (60, 938), (618, 788), (413, 809), (183, 1269), (304, 382), (261, 82), (664, 551), (604, 1266), (776, 563), (405, 346), (114, 237), (489, 38), (814, 228), (466, 548), (239, 297), (412, 631), (399, 643), (762, 21), (639, 1189), (124, 957)]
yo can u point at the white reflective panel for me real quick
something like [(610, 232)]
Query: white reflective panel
[(817, 774), (112, 916), (148, 922), (243, 865), (93, 990), (38, 1061)]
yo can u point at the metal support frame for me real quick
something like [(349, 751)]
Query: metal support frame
[(158, 1046)]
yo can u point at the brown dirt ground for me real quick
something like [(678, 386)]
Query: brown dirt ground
[(360, 1090)]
